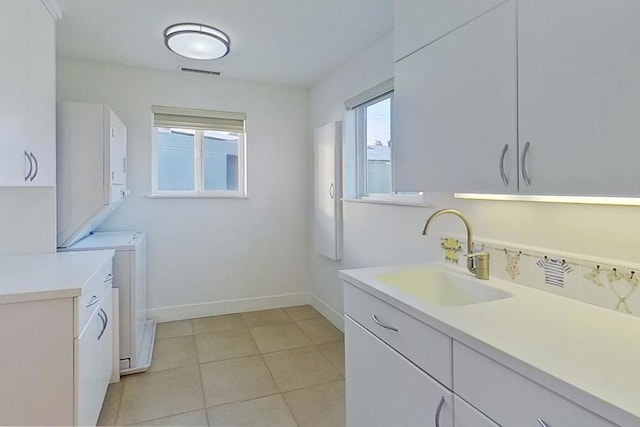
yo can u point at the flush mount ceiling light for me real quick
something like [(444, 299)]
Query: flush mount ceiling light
[(196, 41)]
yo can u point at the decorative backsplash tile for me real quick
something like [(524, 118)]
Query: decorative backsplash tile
[(607, 283)]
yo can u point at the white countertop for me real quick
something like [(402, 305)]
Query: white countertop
[(48, 276), (588, 354)]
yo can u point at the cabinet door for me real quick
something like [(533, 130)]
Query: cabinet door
[(27, 101), (13, 104), (93, 363), (454, 120), (40, 142), (327, 190), (419, 22), (117, 156), (385, 389), (579, 95)]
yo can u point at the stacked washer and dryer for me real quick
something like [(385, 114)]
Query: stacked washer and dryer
[(91, 184)]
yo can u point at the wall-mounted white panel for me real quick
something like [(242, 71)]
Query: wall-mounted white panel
[(327, 207)]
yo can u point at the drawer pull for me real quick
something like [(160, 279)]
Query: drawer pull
[(109, 278), (94, 301), (105, 321), (439, 409), (391, 328), (542, 423)]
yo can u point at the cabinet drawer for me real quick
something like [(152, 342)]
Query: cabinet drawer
[(511, 399), (423, 345), (384, 389), (92, 294), (465, 415)]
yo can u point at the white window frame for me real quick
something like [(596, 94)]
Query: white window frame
[(354, 152), (199, 159)]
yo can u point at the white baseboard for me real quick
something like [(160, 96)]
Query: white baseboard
[(215, 308), (327, 311)]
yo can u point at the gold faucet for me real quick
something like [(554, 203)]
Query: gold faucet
[(478, 262)]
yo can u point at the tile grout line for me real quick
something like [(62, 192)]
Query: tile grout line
[(281, 393)]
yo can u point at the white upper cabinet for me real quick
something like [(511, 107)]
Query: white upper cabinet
[(455, 103), (574, 107), (579, 96), (27, 104), (419, 22)]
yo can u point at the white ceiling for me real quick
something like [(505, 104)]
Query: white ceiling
[(282, 41)]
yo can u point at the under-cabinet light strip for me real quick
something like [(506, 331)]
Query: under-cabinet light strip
[(583, 200)]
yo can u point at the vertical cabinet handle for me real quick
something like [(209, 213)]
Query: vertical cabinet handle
[(33, 166), (105, 321), (331, 192), (505, 180), (27, 175), (439, 410), (35, 173), (523, 164), (542, 423)]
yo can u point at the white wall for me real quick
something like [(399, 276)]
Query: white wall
[(382, 235), (203, 252)]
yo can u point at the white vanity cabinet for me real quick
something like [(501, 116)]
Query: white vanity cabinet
[(399, 368), (384, 389), (27, 105), (455, 100), (56, 330)]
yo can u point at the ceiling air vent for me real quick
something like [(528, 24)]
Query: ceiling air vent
[(198, 71)]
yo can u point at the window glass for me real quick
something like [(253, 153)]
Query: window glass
[(176, 159), (220, 160), (378, 146)]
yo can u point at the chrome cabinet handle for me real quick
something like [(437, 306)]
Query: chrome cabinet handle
[(391, 328), (505, 180), (94, 301), (331, 188), (105, 319), (439, 410), (28, 174), (523, 164), (109, 278), (542, 423), (35, 173)]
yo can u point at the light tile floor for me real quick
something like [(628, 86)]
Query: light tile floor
[(280, 368)]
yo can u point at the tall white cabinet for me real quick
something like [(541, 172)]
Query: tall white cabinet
[(327, 212), (92, 165), (27, 104)]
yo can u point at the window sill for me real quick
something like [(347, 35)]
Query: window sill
[(390, 201), (197, 196)]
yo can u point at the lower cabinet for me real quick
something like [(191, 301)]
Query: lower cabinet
[(512, 399), (390, 383), (385, 389), (93, 362), (57, 356)]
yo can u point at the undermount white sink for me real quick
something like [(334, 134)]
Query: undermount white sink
[(441, 287)]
